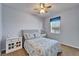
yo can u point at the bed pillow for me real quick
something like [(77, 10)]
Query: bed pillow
[(37, 35), (29, 36)]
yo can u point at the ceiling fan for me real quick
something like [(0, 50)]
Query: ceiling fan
[(42, 8)]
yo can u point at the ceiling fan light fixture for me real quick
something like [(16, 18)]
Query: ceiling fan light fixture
[(43, 8), (42, 11)]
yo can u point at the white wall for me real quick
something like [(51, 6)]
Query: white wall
[(0, 24), (14, 21), (69, 27)]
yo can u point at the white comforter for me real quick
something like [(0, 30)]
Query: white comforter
[(42, 47)]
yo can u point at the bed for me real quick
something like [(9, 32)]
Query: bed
[(36, 45)]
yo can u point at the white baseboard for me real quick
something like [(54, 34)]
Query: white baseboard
[(70, 45)]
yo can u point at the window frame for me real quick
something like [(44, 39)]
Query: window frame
[(57, 18)]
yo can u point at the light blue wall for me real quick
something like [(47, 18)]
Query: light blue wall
[(69, 27), (14, 21)]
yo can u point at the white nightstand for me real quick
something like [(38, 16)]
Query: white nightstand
[(13, 44)]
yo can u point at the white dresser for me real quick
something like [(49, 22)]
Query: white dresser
[(13, 44)]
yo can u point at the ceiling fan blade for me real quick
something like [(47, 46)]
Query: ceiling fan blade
[(38, 8), (35, 9), (49, 6)]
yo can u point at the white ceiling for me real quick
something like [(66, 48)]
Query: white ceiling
[(28, 7)]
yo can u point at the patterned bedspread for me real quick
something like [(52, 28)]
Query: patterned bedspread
[(42, 47)]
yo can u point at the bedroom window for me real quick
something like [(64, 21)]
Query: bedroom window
[(55, 24)]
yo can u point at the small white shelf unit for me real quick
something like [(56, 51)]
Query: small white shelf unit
[(13, 44)]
